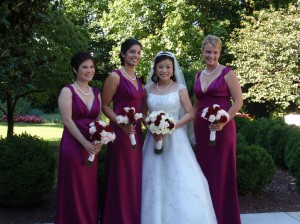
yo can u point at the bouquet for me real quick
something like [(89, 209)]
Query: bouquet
[(100, 132), (214, 114), (128, 116), (160, 122)]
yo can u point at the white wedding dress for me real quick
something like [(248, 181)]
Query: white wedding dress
[(174, 189)]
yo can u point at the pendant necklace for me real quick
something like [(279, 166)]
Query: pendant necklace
[(162, 90), (129, 75), (86, 94), (208, 74)]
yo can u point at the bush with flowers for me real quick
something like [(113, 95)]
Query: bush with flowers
[(25, 119)]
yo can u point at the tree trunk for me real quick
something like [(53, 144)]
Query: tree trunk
[(10, 115)]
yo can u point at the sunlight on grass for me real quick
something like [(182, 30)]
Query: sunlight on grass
[(48, 132)]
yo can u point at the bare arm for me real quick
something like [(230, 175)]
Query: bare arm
[(188, 108), (65, 107), (236, 93), (108, 91)]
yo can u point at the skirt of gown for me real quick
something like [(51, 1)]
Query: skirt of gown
[(174, 189)]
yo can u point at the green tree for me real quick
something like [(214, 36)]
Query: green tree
[(266, 51), (35, 51)]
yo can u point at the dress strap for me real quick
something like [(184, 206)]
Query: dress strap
[(71, 88), (118, 72), (199, 73)]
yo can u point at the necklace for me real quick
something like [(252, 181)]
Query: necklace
[(208, 74), (86, 94), (129, 75), (162, 90)]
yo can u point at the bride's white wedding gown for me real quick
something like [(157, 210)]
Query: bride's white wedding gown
[(174, 189)]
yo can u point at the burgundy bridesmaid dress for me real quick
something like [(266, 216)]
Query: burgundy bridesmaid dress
[(123, 170), (218, 162), (77, 190)]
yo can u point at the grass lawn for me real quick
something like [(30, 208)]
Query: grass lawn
[(48, 132)]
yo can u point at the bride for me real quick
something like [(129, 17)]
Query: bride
[(174, 189)]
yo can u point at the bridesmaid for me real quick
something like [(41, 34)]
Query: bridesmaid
[(123, 168), (218, 84), (79, 104)]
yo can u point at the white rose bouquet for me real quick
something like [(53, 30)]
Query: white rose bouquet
[(128, 116), (160, 122), (214, 114), (100, 132)]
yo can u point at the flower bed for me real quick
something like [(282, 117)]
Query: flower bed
[(25, 118)]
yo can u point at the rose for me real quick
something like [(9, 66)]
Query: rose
[(214, 114), (160, 122), (100, 132), (128, 116)]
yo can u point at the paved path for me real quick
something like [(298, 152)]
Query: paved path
[(271, 218), (265, 218)]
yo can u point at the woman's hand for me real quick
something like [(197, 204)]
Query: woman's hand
[(127, 129), (158, 137), (92, 148), (216, 126)]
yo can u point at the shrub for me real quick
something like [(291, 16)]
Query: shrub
[(25, 119), (292, 142), (255, 169), (277, 137), (27, 166), (52, 118), (249, 130), (241, 121), (264, 125), (293, 161)]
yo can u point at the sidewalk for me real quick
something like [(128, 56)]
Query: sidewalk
[(271, 218), (265, 218)]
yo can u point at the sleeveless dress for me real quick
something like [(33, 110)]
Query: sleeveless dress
[(123, 168), (218, 162), (77, 191), (174, 189)]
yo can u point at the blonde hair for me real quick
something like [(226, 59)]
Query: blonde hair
[(214, 40)]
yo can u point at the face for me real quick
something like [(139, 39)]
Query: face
[(164, 70), (133, 55), (86, 70), (211, 54)]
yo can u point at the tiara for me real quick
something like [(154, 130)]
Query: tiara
[(166, 53)]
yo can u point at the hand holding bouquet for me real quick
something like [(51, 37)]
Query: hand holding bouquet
[(100, 132), (128, 116), (214, 114), (160, 122)]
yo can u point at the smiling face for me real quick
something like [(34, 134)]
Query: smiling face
[(164, 70), (133, 55), (211, 54), (85, 71)]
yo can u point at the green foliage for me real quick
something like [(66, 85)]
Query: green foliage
[(292, 152), (249, 130), (27, 166), (267, 60), (264, 125), (255, 169), (241, 122), (277, 137), (52, 118), (35, 46)]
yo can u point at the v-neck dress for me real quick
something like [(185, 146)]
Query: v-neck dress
[(218, 162), (77, 190), (123, 168)]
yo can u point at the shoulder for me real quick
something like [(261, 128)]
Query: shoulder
[(66, 89), (181, 87), (148, 87), (113, 77)]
